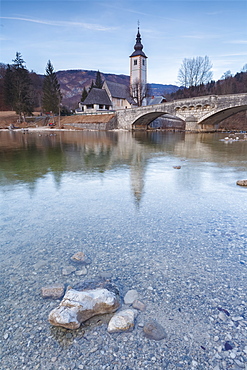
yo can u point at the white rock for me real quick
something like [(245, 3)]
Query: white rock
[(131, 296), (122, 321), (78, 306), (222, 316)]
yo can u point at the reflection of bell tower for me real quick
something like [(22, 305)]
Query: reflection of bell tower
[(137, 173), (138, 69)]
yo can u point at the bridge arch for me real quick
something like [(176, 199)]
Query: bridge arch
[(213, 119), (144, 120)]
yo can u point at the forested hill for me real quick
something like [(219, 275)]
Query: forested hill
[(229, 85)]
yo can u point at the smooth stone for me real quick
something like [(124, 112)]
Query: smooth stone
[(80, 257), (131, 296), (122, 321), (222, 316), (242, 182), (79, 306), (106, 275), (139, 305), (82, 271), (54, 291), (68, 270), (153, 330)]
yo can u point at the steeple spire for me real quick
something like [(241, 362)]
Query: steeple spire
[(138, 45)]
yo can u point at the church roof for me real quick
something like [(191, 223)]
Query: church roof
[(158, 99), (97, 96), (117, 90), (138, 46)]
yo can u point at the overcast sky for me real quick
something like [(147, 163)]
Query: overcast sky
[(100, 34)]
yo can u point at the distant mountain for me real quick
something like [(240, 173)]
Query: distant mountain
[(72, 83), (159, 89)]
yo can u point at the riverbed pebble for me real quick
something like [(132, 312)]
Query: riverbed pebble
[(54, 291), (153, 330), (131, 296), (122, 321), (68, 270), (139, 305)]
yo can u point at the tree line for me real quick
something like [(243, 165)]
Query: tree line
[(22, 91), (195, 77)]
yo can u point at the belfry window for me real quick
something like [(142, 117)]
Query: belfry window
[(143, 62), (135, 62)]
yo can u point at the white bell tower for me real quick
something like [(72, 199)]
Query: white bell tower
[(138, 72)]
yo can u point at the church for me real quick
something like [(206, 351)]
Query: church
[(114, 96)]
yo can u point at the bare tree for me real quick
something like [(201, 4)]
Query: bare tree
[(138, 92), (195, 71), (244, 69), (226, 75)]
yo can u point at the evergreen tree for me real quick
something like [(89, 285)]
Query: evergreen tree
[(8, 88), (51, 91), (18, 88), (92, 86), (84, 94), (98, 81)]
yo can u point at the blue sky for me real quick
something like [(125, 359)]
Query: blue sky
[(100, 34)]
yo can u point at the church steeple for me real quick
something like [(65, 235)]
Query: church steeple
[(138, 46), (138, 71)]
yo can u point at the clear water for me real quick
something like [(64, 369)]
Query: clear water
[(178, 236)]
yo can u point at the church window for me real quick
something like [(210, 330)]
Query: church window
[(135, 62), (143, 62)]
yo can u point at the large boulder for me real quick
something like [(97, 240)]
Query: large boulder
[(79, 306)]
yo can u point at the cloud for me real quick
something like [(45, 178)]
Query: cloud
[(200, 37), (239, 42), (89, 26)]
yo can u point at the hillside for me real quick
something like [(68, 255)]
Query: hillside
[(72, 83)]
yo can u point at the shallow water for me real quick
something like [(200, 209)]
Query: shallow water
[(178, 236)]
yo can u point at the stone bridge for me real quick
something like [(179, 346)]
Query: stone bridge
[(203, 113)]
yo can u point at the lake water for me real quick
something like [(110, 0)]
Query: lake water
[(176, 235)]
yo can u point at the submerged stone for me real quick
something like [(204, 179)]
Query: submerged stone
[(153, 330), (68, 270), (242, 182), (122, 321), (139, 305), (131, 296), (81, 258), (79, 306), (54, 291)]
